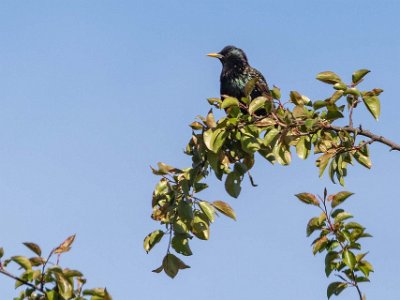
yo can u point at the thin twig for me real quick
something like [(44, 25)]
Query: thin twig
[(2, 271), (366, 133), (42, 281)]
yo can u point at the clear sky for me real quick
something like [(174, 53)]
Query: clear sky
[(93, 92)]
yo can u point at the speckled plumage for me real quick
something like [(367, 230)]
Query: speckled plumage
[(236, 73)]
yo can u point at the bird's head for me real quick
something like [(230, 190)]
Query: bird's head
[(231, 57)]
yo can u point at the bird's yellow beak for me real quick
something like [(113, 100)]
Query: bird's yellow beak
[(216, 55)]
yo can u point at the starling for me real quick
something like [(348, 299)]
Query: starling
[(236, 73)]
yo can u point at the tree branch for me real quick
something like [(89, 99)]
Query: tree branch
[(366, 133), (2, 271)]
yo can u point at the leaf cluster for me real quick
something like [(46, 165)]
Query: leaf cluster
[(339, 238), (44, 279), (227, 148)]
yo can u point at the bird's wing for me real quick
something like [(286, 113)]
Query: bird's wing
[(261, 84)]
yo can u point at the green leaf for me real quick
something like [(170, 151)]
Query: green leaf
[(340, 198), (319, 104), (336, 96), (97, 294), (72, 273), (200, 226), (214, 101), (340, 86), (365, 267), (51, 295), (276, 92), (185, 211), (358, 75), (210, 120), (33, 247), (308, 198), (164, 169), (225, 208), (322, 162), (232, 184), (215, 163), (363, 159), (282, 154), (199, 186), (1, 252), (295, 98), (328, 77), (23, 261), (314, 224), (158, 270), (256, 104), (342, 216), (330, 263), (335, 288), (373, 104), (249, 143), (152, 239), (207, 209), (214, 139), (64, 286), (228, 102), (172, 264), (303, 147), (270, 136), (349, 259), (181, 245), (353, 225), (320, 244), (180, 227)]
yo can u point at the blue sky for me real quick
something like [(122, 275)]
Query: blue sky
[(93, 92)]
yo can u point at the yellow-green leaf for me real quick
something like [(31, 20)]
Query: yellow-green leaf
[(373, 104), (276, 92), (230, 101), (200, 226), (349, 259), (207, 209), (359, 74), (225, 208), (23, 261), (152, 239), (335, 288), (328, 77), (308, 198), (340, 197), (181, 245), (256, 104), (33, 247)]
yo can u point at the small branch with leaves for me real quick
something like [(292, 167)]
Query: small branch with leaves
[(47, 283), (339, 238), (273, 130)]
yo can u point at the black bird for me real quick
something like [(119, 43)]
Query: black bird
[(236, 73)]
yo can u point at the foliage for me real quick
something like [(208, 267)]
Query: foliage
[(46, 280), (339, 238), (227, 148)]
